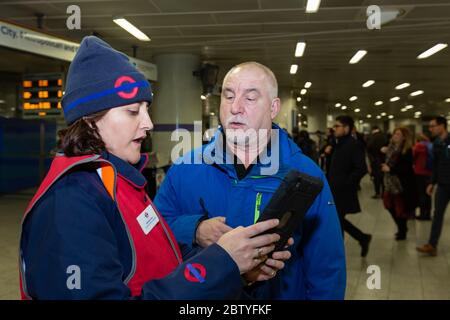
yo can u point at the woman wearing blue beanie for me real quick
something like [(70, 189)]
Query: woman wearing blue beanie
[(91, 231)]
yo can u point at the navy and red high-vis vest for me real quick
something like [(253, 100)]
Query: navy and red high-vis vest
[(91, 232)]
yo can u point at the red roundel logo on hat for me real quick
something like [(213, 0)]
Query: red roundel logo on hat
[(126, 95), (195, 272)]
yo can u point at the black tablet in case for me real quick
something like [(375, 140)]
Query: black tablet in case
[(289, 204)]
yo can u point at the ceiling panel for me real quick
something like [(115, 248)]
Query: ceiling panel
[(229, 32), (204, 5)]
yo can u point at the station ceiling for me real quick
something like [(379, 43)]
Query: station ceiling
[(233, 31)]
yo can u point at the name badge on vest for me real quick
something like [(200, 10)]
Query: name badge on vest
[(147, 219)]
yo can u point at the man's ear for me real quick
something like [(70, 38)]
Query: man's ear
[(275, 108)]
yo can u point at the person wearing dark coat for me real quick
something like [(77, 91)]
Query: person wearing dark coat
[(307, 145), (375, 142), (325, 158), (400, 195), (347, 167)]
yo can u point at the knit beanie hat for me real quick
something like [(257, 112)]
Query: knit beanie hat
[(101, 78)]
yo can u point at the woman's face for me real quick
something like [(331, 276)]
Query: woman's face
[(123, 129), (397, 137)]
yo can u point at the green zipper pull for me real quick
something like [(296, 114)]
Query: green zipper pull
[(257, 206)]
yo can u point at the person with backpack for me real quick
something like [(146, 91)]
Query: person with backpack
[(423, 160)]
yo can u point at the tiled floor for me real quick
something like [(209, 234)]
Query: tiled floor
[(405, 274)]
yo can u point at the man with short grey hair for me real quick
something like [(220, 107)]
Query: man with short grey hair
[(203, 201)]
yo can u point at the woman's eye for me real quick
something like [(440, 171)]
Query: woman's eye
[(133, 112)]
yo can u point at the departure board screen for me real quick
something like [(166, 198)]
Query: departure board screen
[(41, 94)]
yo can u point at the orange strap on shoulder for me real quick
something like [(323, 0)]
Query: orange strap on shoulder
[(106, 173)]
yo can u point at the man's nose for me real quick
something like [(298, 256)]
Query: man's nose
[(237, 106)]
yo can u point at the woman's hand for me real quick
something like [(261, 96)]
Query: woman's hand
[(270, 267), (385, 168), (247, 248)]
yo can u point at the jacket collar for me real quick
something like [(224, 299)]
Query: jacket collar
[(131, 173), (342, 139), (285, 146)]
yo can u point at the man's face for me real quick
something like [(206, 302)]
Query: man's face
[(339, 129), (435, 129), (246, 102)]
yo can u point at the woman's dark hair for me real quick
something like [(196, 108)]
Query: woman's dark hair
[(82, 136)]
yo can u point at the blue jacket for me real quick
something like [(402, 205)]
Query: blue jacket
[(317, 267), (76, 222)]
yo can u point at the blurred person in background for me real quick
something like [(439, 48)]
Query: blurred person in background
[(441, 178), (423, 160), (375, 142), (400, 197)]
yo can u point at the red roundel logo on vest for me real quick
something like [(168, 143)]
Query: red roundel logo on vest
[(195, 272), (123, 94)]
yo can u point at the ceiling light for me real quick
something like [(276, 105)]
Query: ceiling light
[(378, 103), (383, 114), (203, 97), (409, 106), (308, 85), (393, 99), (357, 110), (360, 121), (447, 100), (337, 105), (343, 107), (300, 49), (131, 29), (305, 107), (368, 83), (391, 116), (417, 113), (312, 6), (403, 110), (358, 56), (378, 117), (402, 86), (436, 48), (388, 15), (294, 68), (369, 116), (416, 93), (303, 92), (353, 98), (299, 99)]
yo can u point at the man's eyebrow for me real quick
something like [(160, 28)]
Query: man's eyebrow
[(252, 90), (227, 90)]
